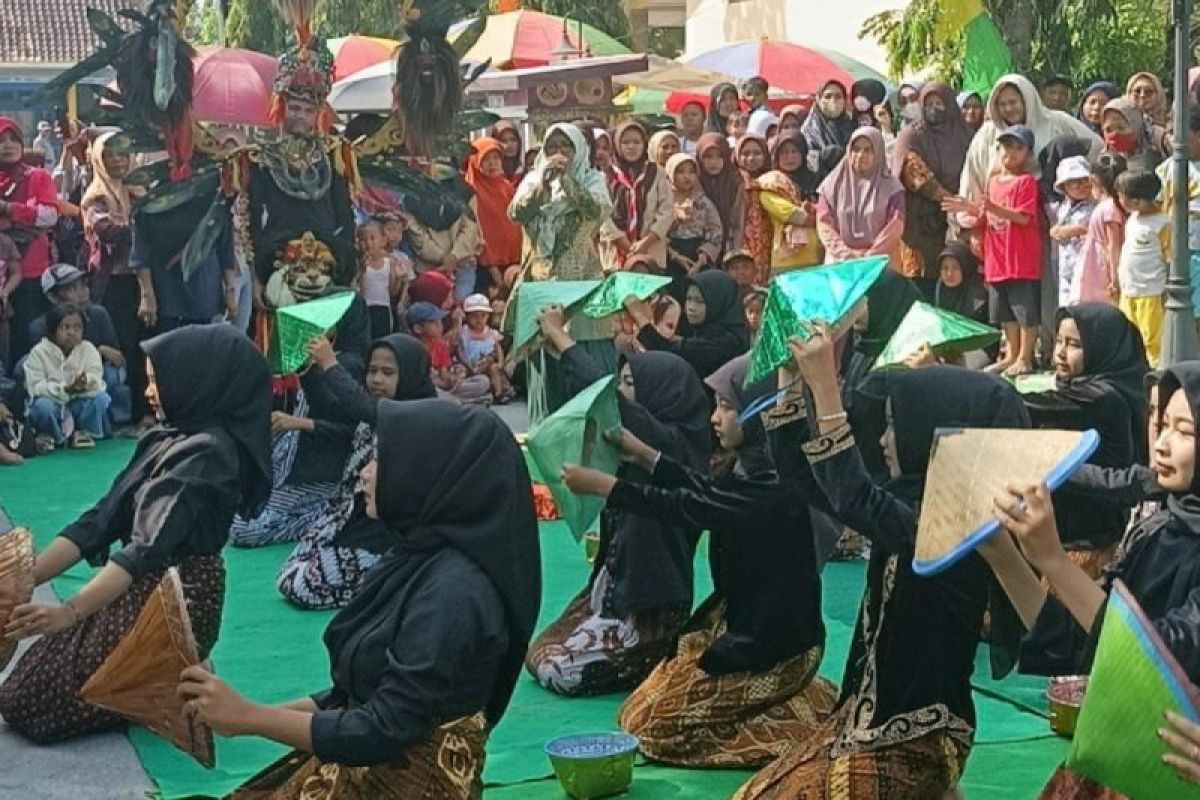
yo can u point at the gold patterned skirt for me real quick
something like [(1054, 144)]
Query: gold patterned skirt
[(448, 765), (926, 768), (684, 716)]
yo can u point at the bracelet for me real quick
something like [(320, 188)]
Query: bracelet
[(74, 610), (841, 415)]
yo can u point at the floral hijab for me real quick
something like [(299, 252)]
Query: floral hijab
[(544, 229)]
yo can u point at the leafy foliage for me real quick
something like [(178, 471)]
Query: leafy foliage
[(1085, 39), (607, 15)]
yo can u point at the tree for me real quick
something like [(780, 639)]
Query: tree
[(255, 25), (1085, 39)]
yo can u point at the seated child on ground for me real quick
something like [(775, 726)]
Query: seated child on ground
[(426, 322), (480, 349), (65, 382), (64, 284)]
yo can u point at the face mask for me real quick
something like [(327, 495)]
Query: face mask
[(1123, 143), (935, 116), (833, 108)]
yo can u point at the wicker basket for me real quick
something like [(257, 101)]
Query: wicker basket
[(16, 582)]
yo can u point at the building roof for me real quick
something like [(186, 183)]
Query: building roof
[(51, 31)]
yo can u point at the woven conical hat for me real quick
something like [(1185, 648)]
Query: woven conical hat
[(969, 467), (16, 582), (140, 677)]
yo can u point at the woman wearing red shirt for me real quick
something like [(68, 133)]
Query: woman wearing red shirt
[(28, 210)]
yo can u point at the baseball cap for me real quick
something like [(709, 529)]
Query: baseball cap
[(734, 255), (60, 275), (1072, 169), (477, 302), (1019, 132), (419, 313)]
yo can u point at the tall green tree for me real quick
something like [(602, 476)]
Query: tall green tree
[(254, 24), (1085, 39)]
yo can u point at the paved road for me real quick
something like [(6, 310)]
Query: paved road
[(102, 767)]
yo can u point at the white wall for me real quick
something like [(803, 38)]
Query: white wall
[(830, 25)]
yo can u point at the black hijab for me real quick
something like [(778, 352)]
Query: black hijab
[(723, 310), (413, 359), (1184, 377), (234, 395), (453, 476), (729, 384), (1110, 90), (803, 178), (822, 131), (1114, 360), (922, 401), (715, 122), (888, 301), (669, 390), (969, 298)]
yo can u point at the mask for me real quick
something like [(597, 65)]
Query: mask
[(935, 116), (1123, 143), (911, 112), (833, 108)]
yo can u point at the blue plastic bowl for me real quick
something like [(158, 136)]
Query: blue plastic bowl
[(592, 765)]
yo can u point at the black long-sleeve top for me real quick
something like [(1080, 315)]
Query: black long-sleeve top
[(1160, 565), (650, 560), (175, 499), (706, 353), (762, 557), (913, 653), (425, 653), (322, 453)]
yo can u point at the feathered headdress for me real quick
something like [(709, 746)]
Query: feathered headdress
[(429, 81), (153, 63), (306, 69)]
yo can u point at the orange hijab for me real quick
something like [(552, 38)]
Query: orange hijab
[(501, 236)]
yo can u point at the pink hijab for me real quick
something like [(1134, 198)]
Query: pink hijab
[(859, 203)]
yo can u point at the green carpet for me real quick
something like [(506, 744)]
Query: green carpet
[(272, 652)]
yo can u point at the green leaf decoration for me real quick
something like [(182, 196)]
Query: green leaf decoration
[(297, 325), (797, 299), (944, 331), (610, 298), (574, 434)]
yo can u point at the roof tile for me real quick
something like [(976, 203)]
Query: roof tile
[(51, 31)]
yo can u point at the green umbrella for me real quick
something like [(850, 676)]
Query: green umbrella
[(944, 331), (574, 434), (1134, 679), (531, 297), (610, 298), (797, 299), (297, 325)]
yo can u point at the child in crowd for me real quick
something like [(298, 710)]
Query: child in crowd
[(740, 266), (753, 304), (1095, 278), (1010, 213), (736, 127), (1070, 218), (1166, 174), (64, 378), (696, 236), (1142, 269), (393, 234), (382, 278), (64, 284), (427, 322), (480, 347)]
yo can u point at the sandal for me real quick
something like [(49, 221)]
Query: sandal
[(44, 444), (82, 440)]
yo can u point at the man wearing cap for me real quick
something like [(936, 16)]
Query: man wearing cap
[(64, 284), (44, 141)]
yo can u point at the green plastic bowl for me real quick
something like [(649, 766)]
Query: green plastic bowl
[(592, 765)]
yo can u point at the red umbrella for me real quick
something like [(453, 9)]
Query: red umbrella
[(791, 67), (355, 53), (233, 86)]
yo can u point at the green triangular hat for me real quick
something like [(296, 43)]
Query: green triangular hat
[(574, 434), (528, 300), (610, 298), (804, 296), (1134, 679), (297, 325), (944, 331)]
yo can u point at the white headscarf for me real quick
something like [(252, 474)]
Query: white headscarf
[(544, 228), (983, 157)]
